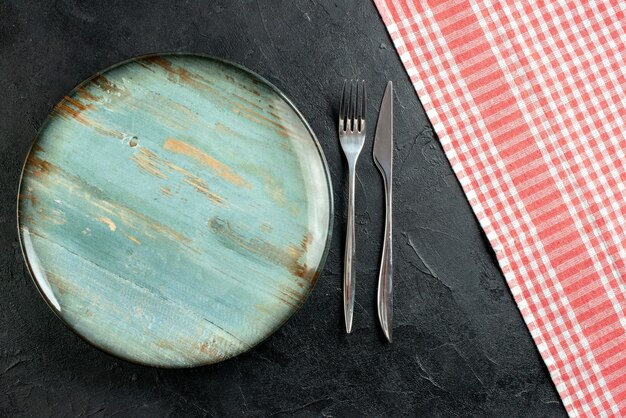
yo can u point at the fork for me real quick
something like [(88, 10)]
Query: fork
[(352, 137)]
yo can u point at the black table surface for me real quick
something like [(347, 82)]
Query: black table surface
[(460, 347)]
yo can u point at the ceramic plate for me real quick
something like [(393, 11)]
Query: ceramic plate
[(175, 210)]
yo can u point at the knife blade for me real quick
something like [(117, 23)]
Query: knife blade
[(383, 157)]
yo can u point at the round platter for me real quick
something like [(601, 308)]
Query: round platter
[(175, 210)]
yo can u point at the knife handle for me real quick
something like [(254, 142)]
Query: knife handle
[(385, 277), (349, 255)]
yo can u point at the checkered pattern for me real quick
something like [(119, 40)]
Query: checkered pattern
[(528, 101)]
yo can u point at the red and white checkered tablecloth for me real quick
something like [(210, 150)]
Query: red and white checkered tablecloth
[(529, 102)]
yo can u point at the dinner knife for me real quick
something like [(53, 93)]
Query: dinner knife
[(383, 157)]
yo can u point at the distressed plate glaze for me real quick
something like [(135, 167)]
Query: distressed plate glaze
[(175, 210)]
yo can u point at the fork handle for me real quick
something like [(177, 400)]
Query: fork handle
[(349, 255)]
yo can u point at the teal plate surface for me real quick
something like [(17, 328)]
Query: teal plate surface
[(175, 210)]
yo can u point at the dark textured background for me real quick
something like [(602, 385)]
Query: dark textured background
[(460, 345)]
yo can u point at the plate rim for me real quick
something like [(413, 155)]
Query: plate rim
[(320, 152)]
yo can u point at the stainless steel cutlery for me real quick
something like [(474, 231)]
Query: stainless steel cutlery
[(352, 137), (352, 131), (383, 157)]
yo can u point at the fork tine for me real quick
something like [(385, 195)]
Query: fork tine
[(352, 111), (342, 108), (363, 104), (357, 105)]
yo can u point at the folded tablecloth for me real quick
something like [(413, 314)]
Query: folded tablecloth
[(528, 100)]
